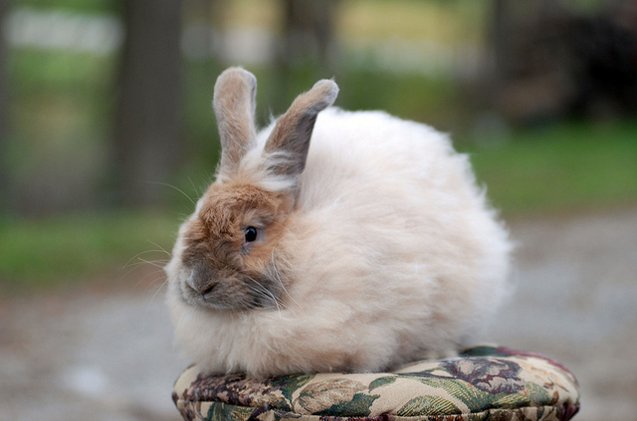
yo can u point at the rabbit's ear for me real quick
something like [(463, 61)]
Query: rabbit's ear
[(234, 104), (290, 138)]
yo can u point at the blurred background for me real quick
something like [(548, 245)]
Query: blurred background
[(107, 137)]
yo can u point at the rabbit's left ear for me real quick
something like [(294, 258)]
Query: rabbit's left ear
[(234, 105), (290, 138)]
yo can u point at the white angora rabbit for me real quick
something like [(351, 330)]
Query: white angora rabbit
[(331, 241)]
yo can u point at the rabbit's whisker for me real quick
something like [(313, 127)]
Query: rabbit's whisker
[(142, 253), (266, 293), (159, 264), (176, 189), (159, 248), (276, 275)]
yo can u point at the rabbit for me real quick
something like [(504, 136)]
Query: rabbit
[(331, 241)]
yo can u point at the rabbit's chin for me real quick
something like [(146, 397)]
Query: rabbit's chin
[(245, 305)]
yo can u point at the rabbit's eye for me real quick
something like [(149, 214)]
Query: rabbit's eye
[(250, 234)]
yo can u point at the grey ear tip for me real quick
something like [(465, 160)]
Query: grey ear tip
[(237, 72), (329, 88)]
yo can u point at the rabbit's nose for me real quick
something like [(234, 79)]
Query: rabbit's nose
[(201, 280)]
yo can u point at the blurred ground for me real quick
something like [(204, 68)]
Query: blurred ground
[(105, 354), (576, 301)]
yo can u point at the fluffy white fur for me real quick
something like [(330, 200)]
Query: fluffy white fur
[(394, 255)]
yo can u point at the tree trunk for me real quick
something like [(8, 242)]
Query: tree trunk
[(307, 41), (308, 31), (146, 145), (4, 109), (498, 32)]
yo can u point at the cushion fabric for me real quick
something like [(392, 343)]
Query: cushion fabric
[(482, 383)]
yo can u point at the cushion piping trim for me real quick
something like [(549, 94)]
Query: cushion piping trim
[(392, 417)]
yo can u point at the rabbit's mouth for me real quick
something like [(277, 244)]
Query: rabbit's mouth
[(241, 293)]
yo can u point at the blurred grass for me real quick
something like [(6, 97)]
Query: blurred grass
[(67, 249), (60, 107), (559, 168), (76, 6)]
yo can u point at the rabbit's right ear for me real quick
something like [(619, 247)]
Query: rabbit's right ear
[(289, 141), (234, 106)]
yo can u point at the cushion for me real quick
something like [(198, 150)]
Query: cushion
[(482, 383)]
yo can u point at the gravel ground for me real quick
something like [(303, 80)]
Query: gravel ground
[(107, 354), (576, 301)]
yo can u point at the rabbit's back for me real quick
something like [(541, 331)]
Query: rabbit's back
[(355, 152), (392, 238)]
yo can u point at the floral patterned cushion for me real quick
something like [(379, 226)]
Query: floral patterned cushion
[(482, 383)]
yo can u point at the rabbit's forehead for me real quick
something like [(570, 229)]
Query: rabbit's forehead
[(227, 204), (216, 233)]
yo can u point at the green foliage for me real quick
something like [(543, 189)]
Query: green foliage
[(79, 6), (60, 110), (429, 99), (54, 90), (563, 167)]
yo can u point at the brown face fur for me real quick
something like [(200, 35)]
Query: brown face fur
[(226, 272)]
